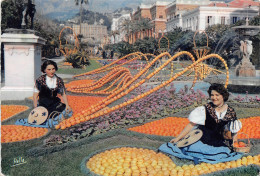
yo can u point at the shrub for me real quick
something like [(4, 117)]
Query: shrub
[(78, 59)]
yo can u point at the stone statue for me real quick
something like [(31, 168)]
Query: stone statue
[(243, 48), (249, 47), (28, 10), (246, 48), (245, 67)]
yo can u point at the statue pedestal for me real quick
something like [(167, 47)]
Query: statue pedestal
[(22, 62), (245, 69)]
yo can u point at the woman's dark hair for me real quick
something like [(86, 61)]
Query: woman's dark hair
[(220, 89), (48, 62)]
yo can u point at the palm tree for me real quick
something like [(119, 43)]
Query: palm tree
[(77, 3), (145, 24), (114, 33), (126, 25)]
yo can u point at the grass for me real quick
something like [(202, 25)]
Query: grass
[(75, 71), (247, 112)]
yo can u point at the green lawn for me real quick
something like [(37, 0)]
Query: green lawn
[(74, 71)]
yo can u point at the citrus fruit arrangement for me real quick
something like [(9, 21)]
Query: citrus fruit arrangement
[(131, 161), (172, 126), (7, 111), (14, 133)]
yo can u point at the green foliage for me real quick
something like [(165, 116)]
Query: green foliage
[(78, 59), (124, 48), (184, 41), (11, 13), (256, 42), (147, 45)]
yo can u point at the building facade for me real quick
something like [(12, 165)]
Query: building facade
[(117, 29), (175, 10), (158, 15), (91, 33), (204, 16), (157, 20)]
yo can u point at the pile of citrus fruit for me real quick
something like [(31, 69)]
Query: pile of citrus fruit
[(14, 133), (8, 111), (80, 103), (130, 161), (251, 126), (127, 161), (172, 126)]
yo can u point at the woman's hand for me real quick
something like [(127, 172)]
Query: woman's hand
[(68, 108), (185, 131), (175, 140)]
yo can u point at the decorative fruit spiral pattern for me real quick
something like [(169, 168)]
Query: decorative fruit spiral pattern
[(102, 109), (78, 83), (14, 133), (113, 64), (119, 75), (8, 111), (128, 161)]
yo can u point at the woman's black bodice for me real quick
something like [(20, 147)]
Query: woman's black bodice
[(214, 128)]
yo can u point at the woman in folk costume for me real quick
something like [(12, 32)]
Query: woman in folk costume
[(47, 87), (48, 109), (215, 121)]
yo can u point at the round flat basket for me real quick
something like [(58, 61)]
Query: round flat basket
[(245, 149)]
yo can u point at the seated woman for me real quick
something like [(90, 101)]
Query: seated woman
[(213, 119), (46, 90), (47, 87)]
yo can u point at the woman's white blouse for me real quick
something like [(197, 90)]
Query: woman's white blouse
[(51, 83), (198, 115)]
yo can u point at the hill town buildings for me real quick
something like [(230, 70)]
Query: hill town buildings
[(186, 14)]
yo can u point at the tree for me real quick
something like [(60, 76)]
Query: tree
[(11, 14), (143, 25), (114, 33), (126, 27), (77, 3), (123, 48), (256, 42), (147, 45)]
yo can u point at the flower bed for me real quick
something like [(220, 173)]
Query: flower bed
[(15, 133), (8, 111), (155, 106)]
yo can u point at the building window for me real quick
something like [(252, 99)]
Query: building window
[(209, 21), (234, 20), (223, 19), (160, 16)]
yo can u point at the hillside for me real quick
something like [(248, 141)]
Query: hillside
[(63, 10), (66, 9)]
